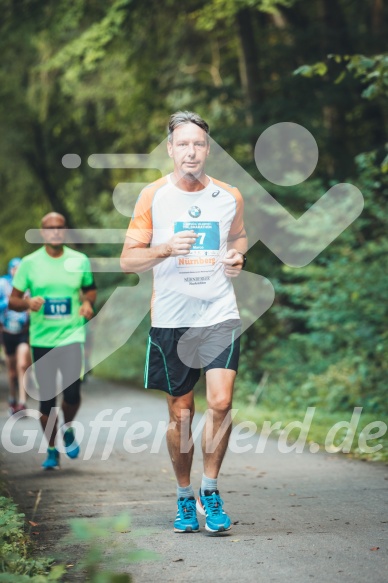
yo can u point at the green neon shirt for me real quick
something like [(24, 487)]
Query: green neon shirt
[(58, 320)]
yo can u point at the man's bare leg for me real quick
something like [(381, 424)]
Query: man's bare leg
[(215, 438), (69, 411), (23, 361), (181, 451), (181, 410), (49, 429), (219, 392), (10, 361)]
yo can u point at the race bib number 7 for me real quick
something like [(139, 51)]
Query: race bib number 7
[(208, 234), (57, 308)]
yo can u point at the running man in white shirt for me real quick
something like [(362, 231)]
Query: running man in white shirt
[(188, 228)]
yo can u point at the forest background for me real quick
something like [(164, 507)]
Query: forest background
[(95, 76)]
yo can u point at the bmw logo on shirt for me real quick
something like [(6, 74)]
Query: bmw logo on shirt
[(195, 212)]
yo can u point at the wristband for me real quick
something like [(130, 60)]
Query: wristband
[(244, 259)]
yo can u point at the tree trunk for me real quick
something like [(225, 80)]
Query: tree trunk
[(249, 66), (377, 19), (38, 162)]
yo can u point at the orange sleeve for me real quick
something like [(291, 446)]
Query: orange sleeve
[(140, 226), (237, 226)]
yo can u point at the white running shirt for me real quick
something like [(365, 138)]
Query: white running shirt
[(190, 290)]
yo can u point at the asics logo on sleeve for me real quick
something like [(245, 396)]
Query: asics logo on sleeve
[(216, 193)]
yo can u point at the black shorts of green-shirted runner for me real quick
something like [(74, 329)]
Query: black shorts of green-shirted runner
[(175, 356)]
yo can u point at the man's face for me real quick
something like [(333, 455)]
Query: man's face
[(53, 231), (189, 149)]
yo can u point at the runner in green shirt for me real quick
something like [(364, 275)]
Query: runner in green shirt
[(62, 294)]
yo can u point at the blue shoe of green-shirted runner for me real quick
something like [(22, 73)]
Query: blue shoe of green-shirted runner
[(52, 460), (71, 446)]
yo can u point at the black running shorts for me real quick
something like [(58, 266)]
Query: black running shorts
[(175, 356), (12, 341)]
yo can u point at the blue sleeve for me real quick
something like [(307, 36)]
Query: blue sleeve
[(3, 296)]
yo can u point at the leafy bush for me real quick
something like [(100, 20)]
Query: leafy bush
[(93, 537), (16, 565), (324, 341)]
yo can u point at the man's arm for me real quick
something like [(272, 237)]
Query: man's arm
[(138, 257), (234, 258), (88, 300), (19, 303)]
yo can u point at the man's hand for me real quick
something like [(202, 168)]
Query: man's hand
[(180, 243), (233, 262), (35, 303), (86, 310)]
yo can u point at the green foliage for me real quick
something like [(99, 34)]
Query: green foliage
[(330, 318), (83, 54), (216, 11), (309, 71), (371, 71), (95, 537), (16, 565)]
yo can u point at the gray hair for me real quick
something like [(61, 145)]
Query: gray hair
[(181, 117)]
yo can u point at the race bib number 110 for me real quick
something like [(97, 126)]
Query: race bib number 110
[(57, 308)]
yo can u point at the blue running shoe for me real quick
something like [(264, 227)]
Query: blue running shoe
[(71, 446), (52, 460), (210, 505), (186, 516)]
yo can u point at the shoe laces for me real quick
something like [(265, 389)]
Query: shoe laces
[(187, 507), (214, 503)]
